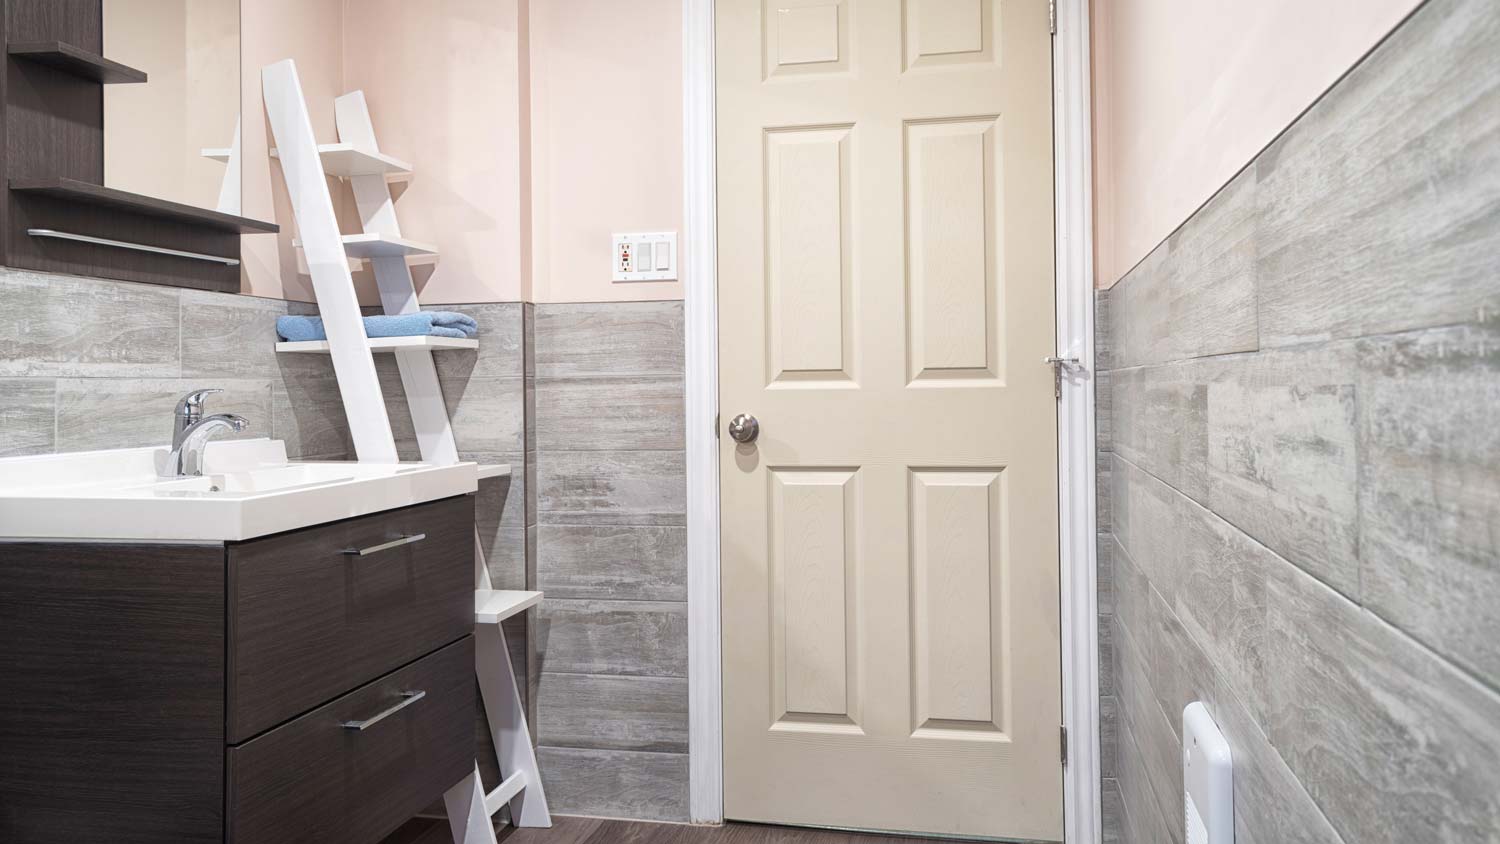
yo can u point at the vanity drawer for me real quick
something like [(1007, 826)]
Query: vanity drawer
[(316, 780), (308, 620)]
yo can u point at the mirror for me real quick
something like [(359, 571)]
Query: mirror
[(176, 136)]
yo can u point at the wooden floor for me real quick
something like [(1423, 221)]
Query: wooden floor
[(570, 830)]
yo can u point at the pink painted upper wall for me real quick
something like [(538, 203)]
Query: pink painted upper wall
[(606, 141), (441, 80), (534, 131), (1187, 92)]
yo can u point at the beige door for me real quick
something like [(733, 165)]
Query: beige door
[(890, 568)]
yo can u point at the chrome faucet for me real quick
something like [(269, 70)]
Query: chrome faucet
[(191, 431)]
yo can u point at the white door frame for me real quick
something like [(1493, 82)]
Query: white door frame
[(1075, 421)]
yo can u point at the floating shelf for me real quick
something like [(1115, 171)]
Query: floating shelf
[(216, 153), (493, 470), (382, 344), (77, 61), (91, 194), (492, 606), (347, 161), (375, 245)]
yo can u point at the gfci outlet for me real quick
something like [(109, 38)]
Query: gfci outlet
[(648, 256)]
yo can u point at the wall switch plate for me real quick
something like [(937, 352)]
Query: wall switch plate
[(1207, 778), (649, 256)]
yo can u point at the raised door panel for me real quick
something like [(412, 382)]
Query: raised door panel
[(813, 524), (808, 284), (954, 291), (958, 572)]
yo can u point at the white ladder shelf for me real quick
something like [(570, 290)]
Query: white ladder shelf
[(357, 157)]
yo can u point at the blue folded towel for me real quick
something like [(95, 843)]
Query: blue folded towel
[(433, 323)]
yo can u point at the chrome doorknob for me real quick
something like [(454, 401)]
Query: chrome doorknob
[(744, 428)]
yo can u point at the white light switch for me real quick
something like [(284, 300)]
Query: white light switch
[(650, 256)]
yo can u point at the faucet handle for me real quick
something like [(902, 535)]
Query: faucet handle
[(190, 408)]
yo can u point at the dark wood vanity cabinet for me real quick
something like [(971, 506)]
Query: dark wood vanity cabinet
[(212, 692)]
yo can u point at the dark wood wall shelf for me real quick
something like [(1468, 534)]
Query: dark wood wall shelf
[(90, 194), (52, 79), (67, 58)]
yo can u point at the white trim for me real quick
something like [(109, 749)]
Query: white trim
[(1073, 166), (700, 294), (1075, 325)]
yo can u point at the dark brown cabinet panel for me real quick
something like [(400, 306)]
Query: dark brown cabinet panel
[(122, 666), (316, 781), (308, 621), (111, 692)]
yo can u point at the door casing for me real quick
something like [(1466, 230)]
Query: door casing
[(1076, 421)]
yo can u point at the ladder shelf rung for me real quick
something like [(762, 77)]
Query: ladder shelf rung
[(382, 344)]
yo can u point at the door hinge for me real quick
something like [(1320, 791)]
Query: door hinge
[(1052, 16), (1064, 746), (716, 426)]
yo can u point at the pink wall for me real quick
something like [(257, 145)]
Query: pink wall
[(533, 128), (606, 135), (268, 35), (1186, 92)]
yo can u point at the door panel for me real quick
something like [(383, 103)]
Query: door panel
[(891, 633)]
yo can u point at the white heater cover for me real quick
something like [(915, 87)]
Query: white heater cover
[(1207, 778)]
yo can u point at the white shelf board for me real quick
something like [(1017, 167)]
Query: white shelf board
[(493, 470), (360, 247), (345, 161), (492, 606), (382, 344), (216, 153), (376, 245)]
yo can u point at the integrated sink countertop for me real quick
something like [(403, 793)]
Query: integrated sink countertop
[(248, 489)]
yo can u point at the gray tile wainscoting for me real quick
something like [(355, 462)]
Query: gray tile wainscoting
[(89, 363), (1299, 473), (609, 494)]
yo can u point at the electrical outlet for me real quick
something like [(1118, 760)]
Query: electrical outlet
[(650, 256)]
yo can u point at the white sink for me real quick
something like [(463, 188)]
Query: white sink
[(248, 489)]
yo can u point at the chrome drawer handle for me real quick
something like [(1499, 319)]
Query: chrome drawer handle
[(384, 546), (408, 698)]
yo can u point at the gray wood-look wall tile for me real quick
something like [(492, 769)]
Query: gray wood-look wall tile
[(500, 343), (55, 325), (1104, 549), (621, 338), (1109, 735), (99, 413), (615, 783), (499, 518), (647, 638), (623, 562), (1392, 743), (28, 413), (1112, 822), (1104, 359), (643, 413), (308, 414), (1144, 823), (604, 487), (1154, 738), (1430, 499), (613, 712), (1380, 208), (1161, 423), (235, 336), (1270, 804), (488, 414), (1194, 295), (1282, 459), (1210, 573)]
